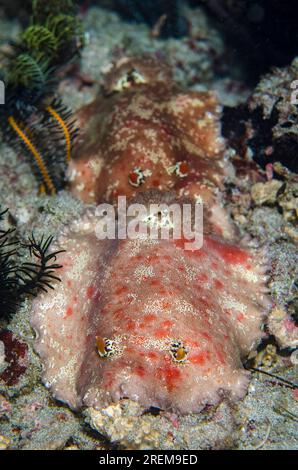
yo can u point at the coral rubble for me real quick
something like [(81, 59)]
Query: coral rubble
[(266, 126)]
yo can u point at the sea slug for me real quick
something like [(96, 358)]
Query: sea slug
[(148, 319)]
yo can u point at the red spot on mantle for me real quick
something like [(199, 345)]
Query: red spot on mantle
[(171, 375), (240, 317), (90, 292), (160, 333), (130, 325), (121, 290), (118, 313), (198, 358), (228, 253), (206, 335), (149, 317), (218, 284), (140, 371), (155, 282), (68, 312), (164, 329), (152, 355), (202, 277), (181, 243)]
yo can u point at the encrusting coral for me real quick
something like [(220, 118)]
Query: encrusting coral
[(266, 126), (149, 319)]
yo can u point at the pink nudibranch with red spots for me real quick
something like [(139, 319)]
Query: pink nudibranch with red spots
[(152, 321)]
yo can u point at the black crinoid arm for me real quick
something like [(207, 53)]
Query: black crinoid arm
[(18, 279)]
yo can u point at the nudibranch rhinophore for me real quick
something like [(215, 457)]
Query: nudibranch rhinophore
[(148, 319)]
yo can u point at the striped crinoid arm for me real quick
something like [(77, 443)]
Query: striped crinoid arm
[(47, 138), (60, 121), (27, 141)]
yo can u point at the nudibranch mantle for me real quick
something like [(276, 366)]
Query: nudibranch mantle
[(177, 330), (147, 319), (152, 134)]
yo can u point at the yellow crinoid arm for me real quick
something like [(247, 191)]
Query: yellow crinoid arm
[(64, 128), (36, 154)]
